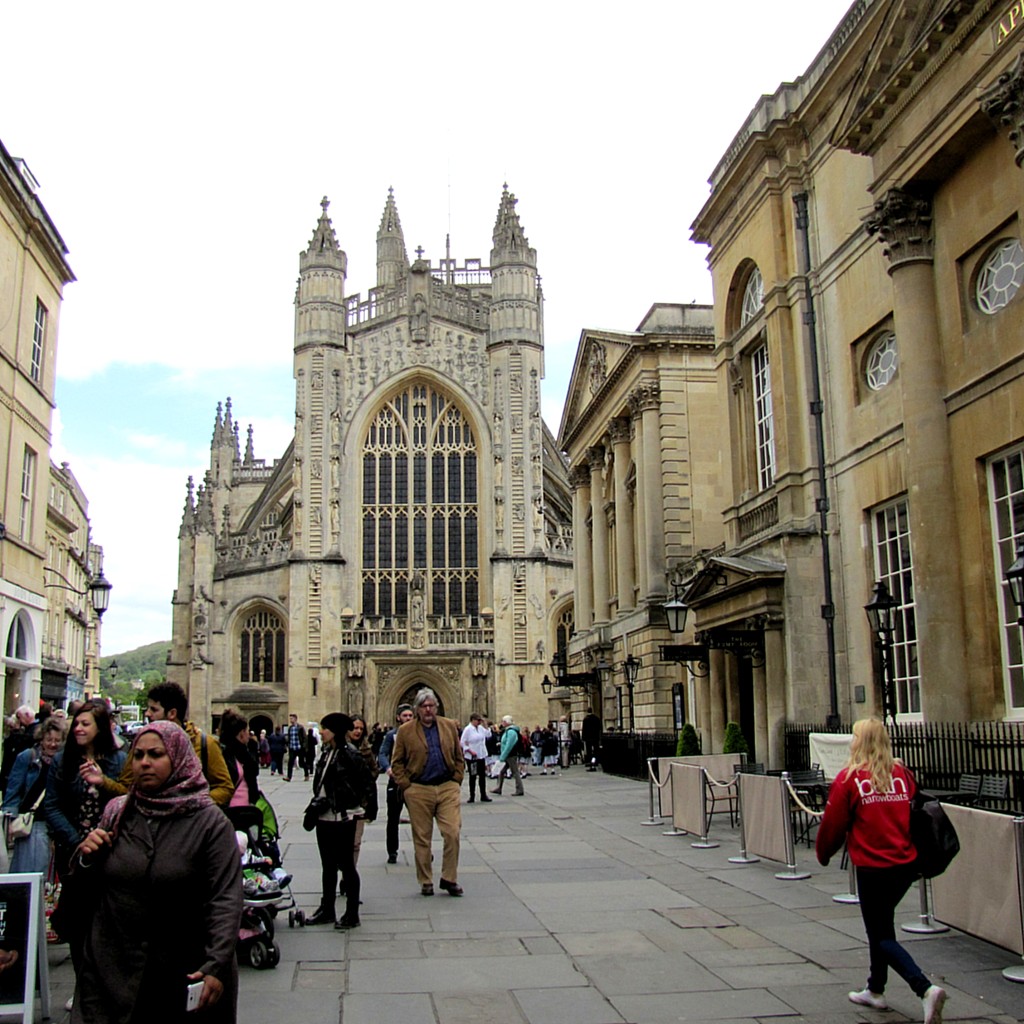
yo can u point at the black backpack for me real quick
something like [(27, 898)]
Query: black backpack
[(932, 834)]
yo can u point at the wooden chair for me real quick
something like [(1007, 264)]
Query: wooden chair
[(727, 795)]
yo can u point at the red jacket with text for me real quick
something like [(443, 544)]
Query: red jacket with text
[(876, 826)]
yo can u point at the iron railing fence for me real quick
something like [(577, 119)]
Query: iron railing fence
[(624, 753), (940, 752)]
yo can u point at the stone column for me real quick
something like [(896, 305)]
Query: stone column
[(625, 564), (579, 480), (704, 709), (640, 511), (646, 400), (904, 225), (716, 658), (599, 532), (760, 687), (774, 754)]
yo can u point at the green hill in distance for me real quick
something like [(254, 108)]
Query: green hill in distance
[(136, 663)]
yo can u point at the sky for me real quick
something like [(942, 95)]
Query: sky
[(182, 153)]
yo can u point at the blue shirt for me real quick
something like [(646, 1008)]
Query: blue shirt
[(436, 767)]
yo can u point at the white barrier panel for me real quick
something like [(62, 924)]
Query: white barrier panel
[(764, 816), (979, 892), (719, 766), (688, 798)]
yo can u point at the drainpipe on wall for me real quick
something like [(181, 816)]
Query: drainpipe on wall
[(828, 609)]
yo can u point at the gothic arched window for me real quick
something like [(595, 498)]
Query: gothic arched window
[(262, 648), (753, 297), (420, 514)]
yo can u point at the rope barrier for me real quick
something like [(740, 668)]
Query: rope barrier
[(650, 773), (721, 785), (803, 807)]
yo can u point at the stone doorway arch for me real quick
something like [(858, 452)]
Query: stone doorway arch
[(406, 684)]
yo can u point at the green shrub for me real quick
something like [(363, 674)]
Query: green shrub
[(688, 743), (734, 742)]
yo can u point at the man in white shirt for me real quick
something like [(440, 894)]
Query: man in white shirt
[(474, 747)]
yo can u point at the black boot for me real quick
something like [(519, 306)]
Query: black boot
[(323, 915)]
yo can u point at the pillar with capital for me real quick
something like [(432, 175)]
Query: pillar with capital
[(579, 480), (599, 532), (903, 223), (1003, 101), (625, 563), (645, 402)]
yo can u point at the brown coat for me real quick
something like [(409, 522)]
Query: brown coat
[(409, 757), (169, 904)]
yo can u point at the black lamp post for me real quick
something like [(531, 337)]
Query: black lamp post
[(675, 612), (112, 669), (1015, 581), (881, 612), (631, 669)]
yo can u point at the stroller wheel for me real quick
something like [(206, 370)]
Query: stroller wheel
[(300, 918), (291, 918), (259, 955)]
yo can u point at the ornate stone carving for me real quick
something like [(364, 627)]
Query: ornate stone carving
[(597, 367), (618, 431), (903, 223), (595, 457), (1003, 101), (579, 476), (646, 395)]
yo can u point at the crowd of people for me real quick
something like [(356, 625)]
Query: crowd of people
[(133, 828)]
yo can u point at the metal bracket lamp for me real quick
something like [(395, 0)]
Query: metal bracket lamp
[(881, 613), (582, 681), (689, 655), (1015, 581), (98, 589)]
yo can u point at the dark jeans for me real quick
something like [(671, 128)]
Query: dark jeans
[(476, 771), (880, 891), (336, 841), (293, 756), (396, 805)]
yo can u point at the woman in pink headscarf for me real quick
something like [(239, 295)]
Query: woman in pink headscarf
[(168, 875)]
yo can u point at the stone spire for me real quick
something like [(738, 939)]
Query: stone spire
[(392, 258), (188, 515), (320, 294), (508, 237), (204, 507), (218, 425), (250, 456)]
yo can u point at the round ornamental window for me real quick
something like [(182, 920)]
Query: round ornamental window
[(753, 297), (882, 361), (1000, 276)]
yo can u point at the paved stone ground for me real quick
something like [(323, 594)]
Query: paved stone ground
[(575, 913)]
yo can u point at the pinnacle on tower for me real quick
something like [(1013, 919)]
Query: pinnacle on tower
[(188, 515), (320, 293), (324, 239), (218, 424), (250, 456), (392, 259), (508, 232)]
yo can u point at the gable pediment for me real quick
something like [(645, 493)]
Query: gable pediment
[(910, 36), (598, 355), (723, 575)]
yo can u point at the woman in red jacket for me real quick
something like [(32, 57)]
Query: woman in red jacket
[(869, 807)]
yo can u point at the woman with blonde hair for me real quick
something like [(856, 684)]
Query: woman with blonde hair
[(869, 807)]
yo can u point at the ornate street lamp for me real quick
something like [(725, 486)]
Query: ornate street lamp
[(675, 612), (881, 612), (1015, 580), (631, 669)]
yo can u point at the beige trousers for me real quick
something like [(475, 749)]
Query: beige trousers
[(424, 804)]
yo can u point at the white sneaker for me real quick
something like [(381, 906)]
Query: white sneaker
[(868, 998), (69, 1004), (932, 1001)]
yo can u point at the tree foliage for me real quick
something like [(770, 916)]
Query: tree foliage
[(735, 742), (688, 744)]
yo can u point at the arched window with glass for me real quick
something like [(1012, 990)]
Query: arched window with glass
[(420, 509), (262, 646)]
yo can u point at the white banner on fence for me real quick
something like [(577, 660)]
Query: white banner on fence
[(978, 893), (830, 750)]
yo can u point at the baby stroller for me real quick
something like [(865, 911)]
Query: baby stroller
[(266, 886)]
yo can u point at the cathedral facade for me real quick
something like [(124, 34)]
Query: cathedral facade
[(416, 531)]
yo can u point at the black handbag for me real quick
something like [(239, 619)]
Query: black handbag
[(932, 834), (311, 815)]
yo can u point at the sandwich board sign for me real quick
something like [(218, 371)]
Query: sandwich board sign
[(23, 947)]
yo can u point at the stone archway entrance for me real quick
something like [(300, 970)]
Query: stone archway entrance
[(259, 722)]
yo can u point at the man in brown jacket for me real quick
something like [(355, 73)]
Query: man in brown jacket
[(427, 766)]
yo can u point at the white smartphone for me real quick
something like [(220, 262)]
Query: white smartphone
[(195, 990)]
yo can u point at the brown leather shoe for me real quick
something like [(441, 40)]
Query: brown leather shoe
[(452, 888), (427, 889)]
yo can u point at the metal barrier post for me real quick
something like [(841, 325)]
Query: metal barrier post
[(924, 925), (850, 896), (1017, 973), (702, 843), (651, 818), (743, 857), (791, 874)]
